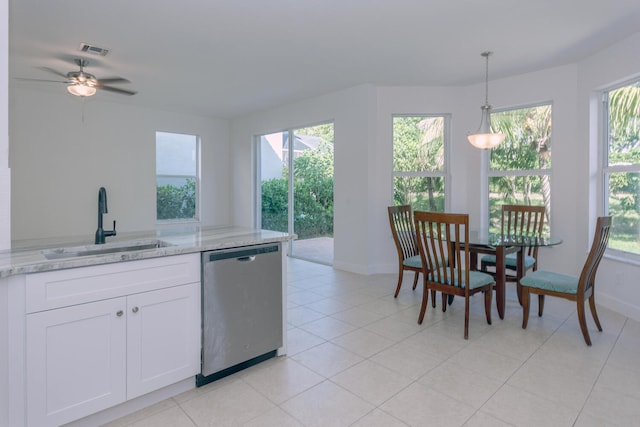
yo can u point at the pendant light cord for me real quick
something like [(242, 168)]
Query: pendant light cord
[(486, 77)]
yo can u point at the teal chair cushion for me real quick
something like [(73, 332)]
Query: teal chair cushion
[(551, 281), (477, 279), (414, 262), (511, 260)]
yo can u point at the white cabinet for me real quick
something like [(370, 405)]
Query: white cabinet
[(76, 361), (163, 338), (90, 356)]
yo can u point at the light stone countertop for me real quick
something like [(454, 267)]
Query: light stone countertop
[(29, 256)]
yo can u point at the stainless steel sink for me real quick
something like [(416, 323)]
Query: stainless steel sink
[(109, 248)]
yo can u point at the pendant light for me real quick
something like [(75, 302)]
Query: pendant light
[(484, 138)]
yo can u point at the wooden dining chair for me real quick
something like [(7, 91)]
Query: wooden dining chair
[(446, 260), (404, 236), (572, 288), (518, 220)]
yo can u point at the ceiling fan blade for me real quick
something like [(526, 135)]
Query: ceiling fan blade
[(40, 80), (114, 80), (116, 90), (57, 73)]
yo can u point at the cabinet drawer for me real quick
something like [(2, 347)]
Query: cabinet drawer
[(61, 288)]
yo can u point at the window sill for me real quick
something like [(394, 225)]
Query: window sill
[(176, 222), (626, 258)]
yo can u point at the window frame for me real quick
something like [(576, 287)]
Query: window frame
[(445, 174), (196, 177), (605, 170), (489, 173)]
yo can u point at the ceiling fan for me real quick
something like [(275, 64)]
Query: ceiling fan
[(81, 83)]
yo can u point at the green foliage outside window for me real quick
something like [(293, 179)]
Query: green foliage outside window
[(275, 204), (176, 176), (519, 166), (623, 168), (418, 158), (175, 202), (313, 195)]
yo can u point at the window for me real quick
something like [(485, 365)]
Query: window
[(621, 168), (420, 161), (520, 167), (177, 177)]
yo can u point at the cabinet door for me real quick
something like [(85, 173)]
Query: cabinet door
[(163, 339), (75, 361)]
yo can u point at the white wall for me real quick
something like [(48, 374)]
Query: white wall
[(363, 159), (5, 172), (617, 281), (59, 161), (5, 205)]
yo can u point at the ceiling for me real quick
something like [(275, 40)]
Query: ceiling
[(229, 58)]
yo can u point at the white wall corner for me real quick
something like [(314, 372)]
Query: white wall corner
[(5, 209), (5, 173)]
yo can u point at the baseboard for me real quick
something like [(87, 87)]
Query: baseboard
[(387, 268), (619, 306), (366, 270), (351, 268), (134, 405)]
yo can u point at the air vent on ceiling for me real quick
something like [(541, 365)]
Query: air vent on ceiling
[(84, 47)]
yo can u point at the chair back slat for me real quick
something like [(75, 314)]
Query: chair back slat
[(523, 220), (599, 245), (403, 231), (441, 238)]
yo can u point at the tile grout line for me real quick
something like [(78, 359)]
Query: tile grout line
[(584, 404)]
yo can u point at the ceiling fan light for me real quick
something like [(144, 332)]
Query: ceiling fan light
[(81, 90)]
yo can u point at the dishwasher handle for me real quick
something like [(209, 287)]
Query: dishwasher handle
[(245, 254)]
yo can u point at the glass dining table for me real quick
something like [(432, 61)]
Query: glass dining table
[(501, 245)]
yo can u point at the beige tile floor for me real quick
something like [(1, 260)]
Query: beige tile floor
[(358, 357)]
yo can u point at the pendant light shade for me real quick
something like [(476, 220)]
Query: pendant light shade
[(484, 138)]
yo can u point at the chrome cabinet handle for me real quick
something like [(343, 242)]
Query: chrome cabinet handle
[(134, 309), (119, 313)]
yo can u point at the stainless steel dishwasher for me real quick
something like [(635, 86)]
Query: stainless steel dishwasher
[(241, 308)]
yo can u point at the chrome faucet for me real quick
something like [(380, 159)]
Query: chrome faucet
[(102, 209)]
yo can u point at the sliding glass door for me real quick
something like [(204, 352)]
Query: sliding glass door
[(295, 189)]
